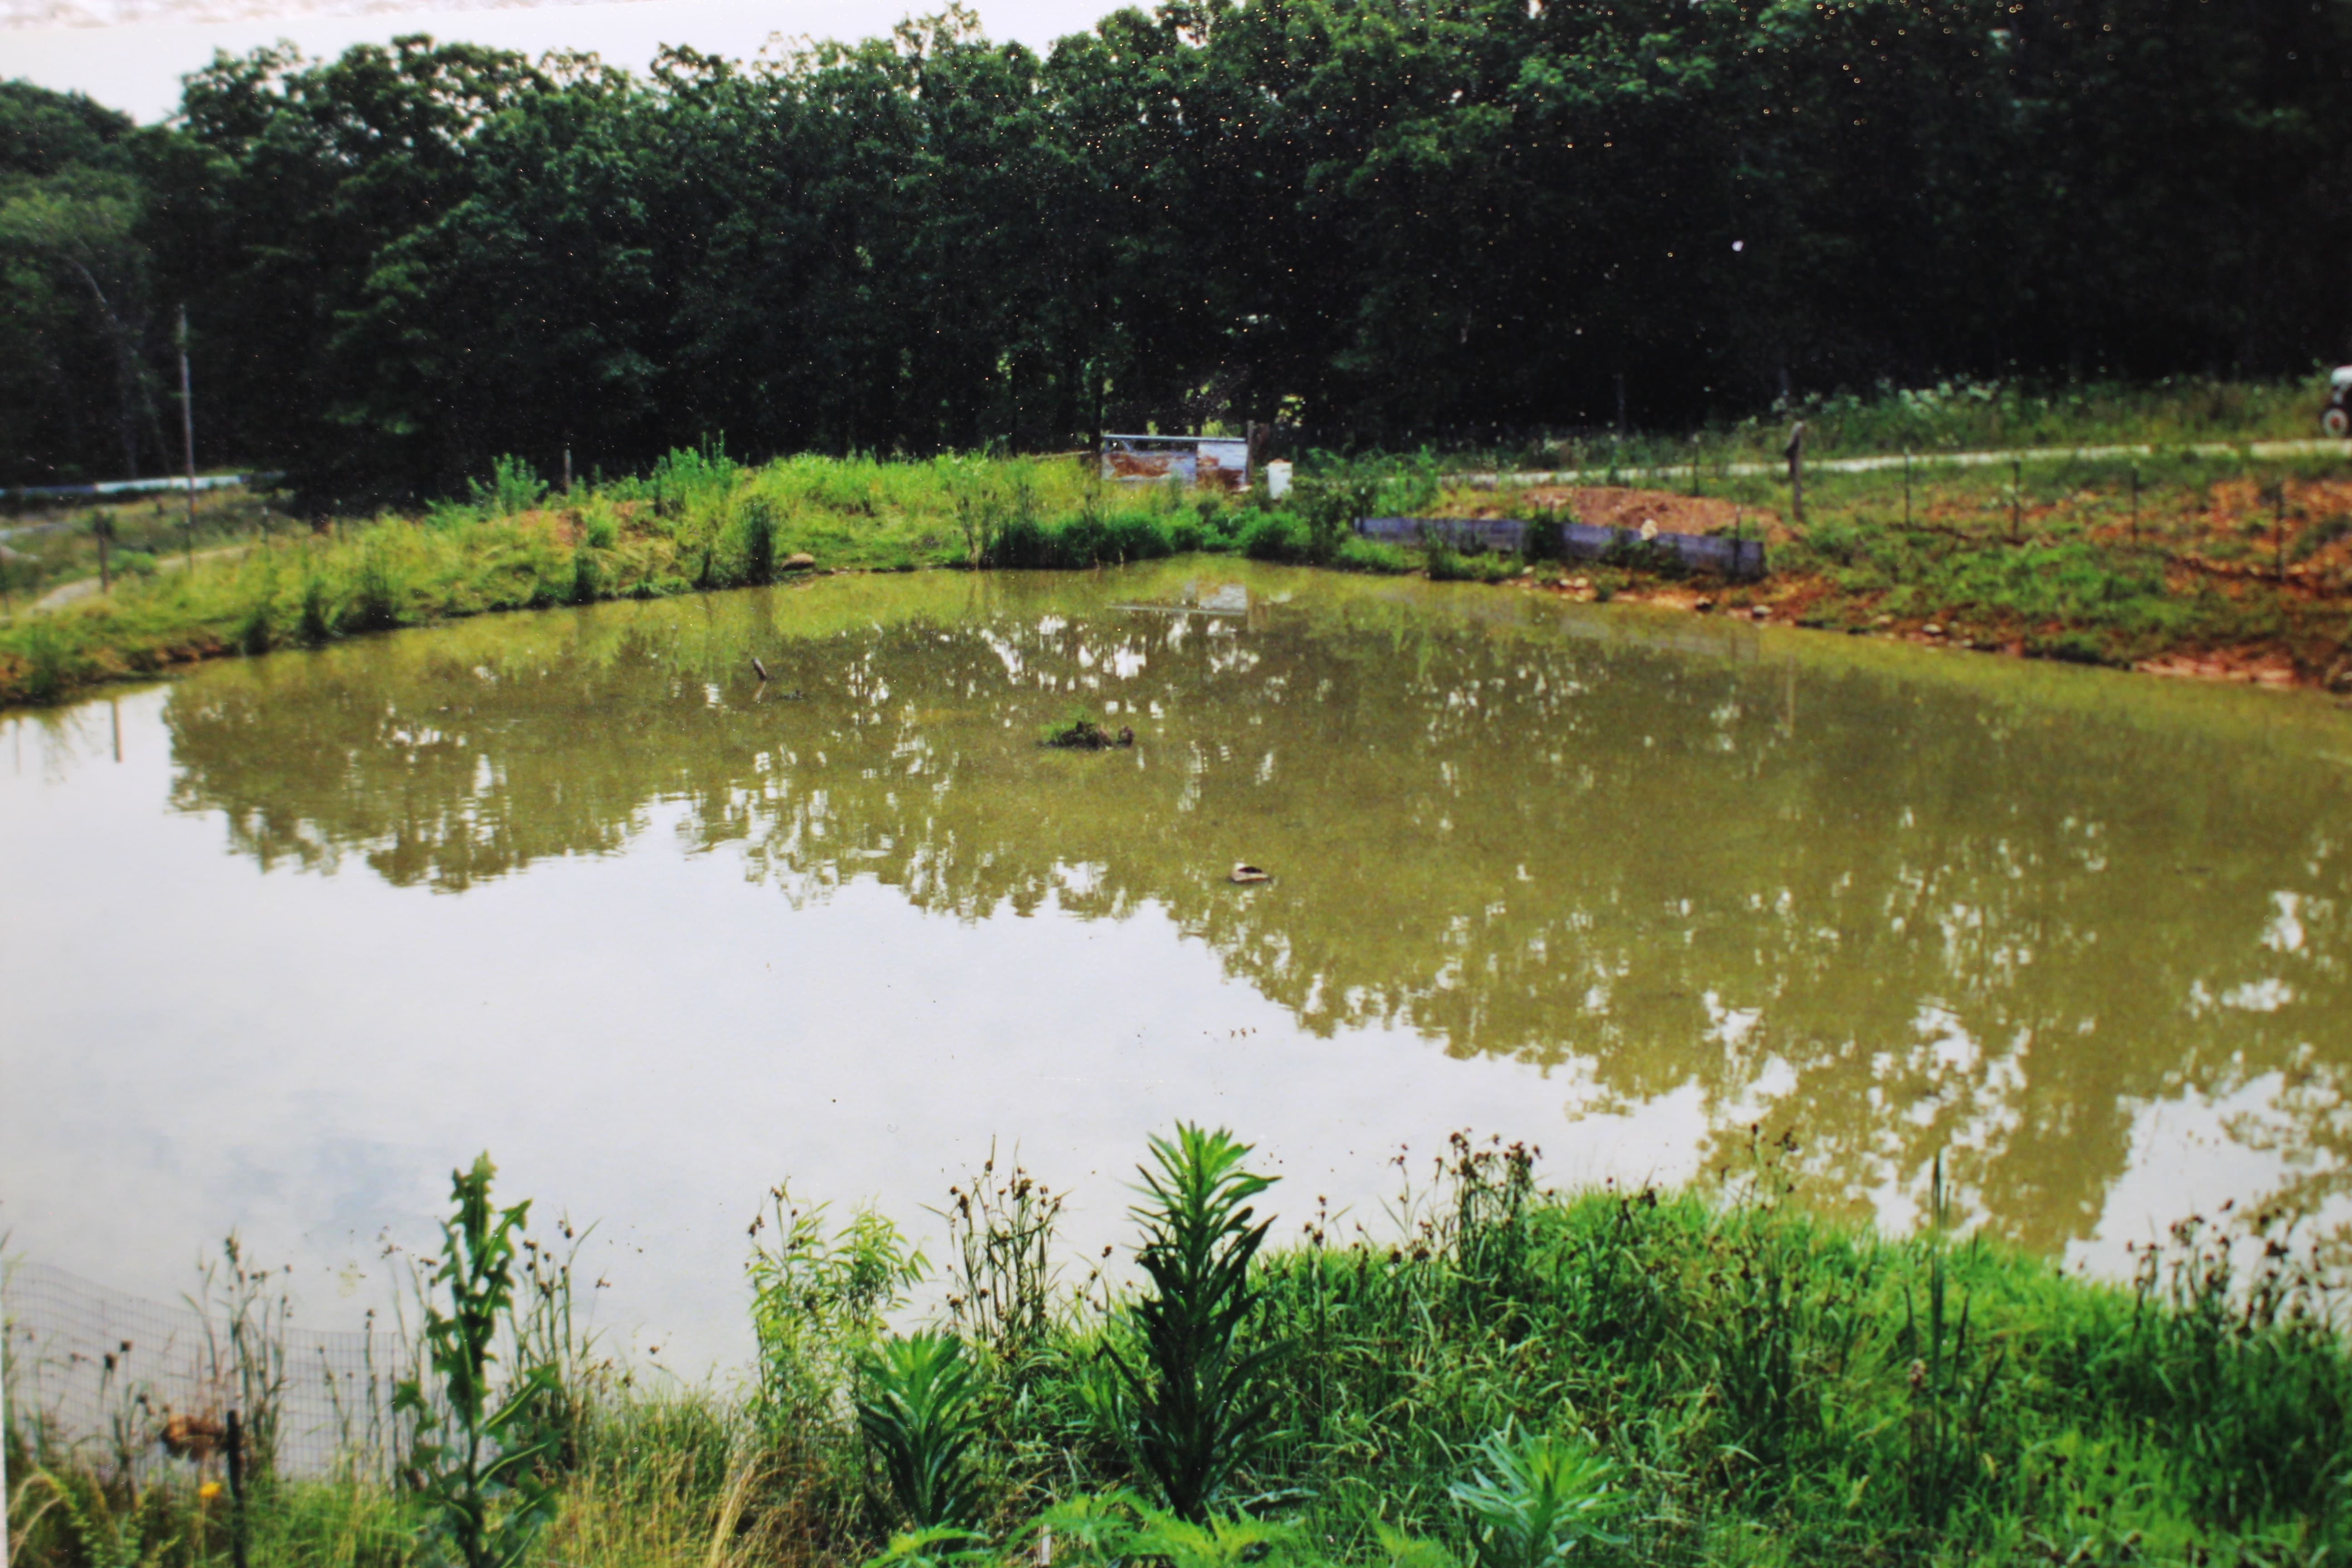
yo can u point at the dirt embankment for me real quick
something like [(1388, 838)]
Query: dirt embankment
[(2236, 543), (1608, 507)]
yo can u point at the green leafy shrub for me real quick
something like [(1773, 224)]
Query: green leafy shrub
[(917, 1408), (1359, 554), (1539, 1498), (1090, 539), (1545, 538), (1330, 505), (379, 589), (689, 477), (1202, 1398), (319, 617), (819, 1299), (49, 660), (587, 576), (1277, 536), (513, 488), (756, 525)]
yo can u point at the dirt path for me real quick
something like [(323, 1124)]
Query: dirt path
[(2263, 449), (82, 588)]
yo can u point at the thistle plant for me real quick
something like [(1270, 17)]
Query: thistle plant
[(478, 1453)]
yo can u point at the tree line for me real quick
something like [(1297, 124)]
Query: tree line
[(1372, 220)]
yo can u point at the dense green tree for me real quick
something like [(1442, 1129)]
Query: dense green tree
[(1376, 219), (76, 395)]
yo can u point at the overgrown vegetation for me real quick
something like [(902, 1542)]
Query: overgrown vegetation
[(1503, 1375), (2096, 558)]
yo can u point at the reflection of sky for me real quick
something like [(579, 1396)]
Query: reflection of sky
[(623, 1009), (2191, 1155), (649, 1039)]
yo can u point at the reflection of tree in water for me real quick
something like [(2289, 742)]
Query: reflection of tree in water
[(1980, 910)]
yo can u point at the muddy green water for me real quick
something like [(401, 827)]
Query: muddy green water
[(283, 941)]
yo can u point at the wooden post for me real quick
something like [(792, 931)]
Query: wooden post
[(188, 435), (2016, 501), (567, 468), (4, 1477), (1695, 471), (101, 528), (2278, 530), (236, 1490), (1795, 451)]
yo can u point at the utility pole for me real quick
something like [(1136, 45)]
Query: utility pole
[(188, 435)]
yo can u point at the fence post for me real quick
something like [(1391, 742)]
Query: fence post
[(188, 435), (236, 1490), (1795, 451), (2278, 530)]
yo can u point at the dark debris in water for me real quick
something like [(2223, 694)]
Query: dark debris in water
[(1086, 735)]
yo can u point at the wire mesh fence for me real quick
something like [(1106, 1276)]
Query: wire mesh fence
[(134, 1384)]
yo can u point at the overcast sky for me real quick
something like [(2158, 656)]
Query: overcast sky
[(125, 55)]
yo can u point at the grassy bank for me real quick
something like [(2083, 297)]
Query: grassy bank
[(1507, 1377), (699, 521), (2209, 562)]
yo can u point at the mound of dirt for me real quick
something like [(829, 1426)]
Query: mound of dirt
[(1610, 506)]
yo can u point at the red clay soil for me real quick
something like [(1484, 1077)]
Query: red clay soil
[(1618, 507), (2240, 515)]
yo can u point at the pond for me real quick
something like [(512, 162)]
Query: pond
[(286, 940)]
